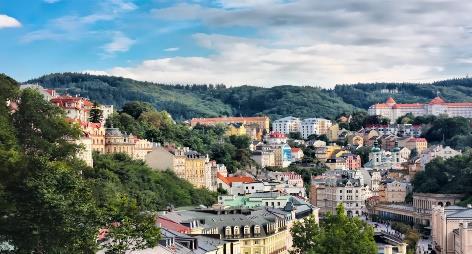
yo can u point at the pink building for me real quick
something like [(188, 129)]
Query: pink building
[(353, 161)]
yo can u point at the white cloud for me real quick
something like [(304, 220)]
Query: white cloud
[(119, 43), (8, 22), (246, 62), (74, 27), (171, 49), (318, 42)]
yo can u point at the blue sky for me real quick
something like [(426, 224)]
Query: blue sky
[(236, 42)]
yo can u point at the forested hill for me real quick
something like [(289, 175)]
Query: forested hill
[(187, 101)]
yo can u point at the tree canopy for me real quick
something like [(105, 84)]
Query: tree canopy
[(337, 233)]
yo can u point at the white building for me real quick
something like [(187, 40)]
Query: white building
[(286, 125), (317, 126), (437, 152), (437, 106)]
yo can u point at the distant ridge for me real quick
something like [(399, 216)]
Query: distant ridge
[(188, 101)]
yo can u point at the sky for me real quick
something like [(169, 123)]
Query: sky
[(239, 42)]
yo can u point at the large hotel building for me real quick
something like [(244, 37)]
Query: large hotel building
[(437, 106)]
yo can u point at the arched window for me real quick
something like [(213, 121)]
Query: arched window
[(228, 231), (236, 231), (247, 230), (257, 229)]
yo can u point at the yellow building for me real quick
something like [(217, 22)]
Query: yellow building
[(333, 132), (235, 129), (331, 150), (197, 168), (261, 121)]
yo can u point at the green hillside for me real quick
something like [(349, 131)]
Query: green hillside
[(187, 101)]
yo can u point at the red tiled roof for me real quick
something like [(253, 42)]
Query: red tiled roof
[(296, 149), (234, 179), (277, 135), (437, 100), (166, 223), (390, 100)]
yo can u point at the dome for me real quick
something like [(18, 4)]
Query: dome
[(375, 149)]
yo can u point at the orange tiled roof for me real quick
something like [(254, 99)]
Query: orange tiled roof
[(235, 179)]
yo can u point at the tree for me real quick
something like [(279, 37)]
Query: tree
[(357, 120), (295, 135), (136, 108), (336, 234), (130, 229), (96, 114)]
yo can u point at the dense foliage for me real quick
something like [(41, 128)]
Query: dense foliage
[(117, 175), (453, 175), (143, 120), (364, 95), (187, 101), (51, 202), (337, 233)]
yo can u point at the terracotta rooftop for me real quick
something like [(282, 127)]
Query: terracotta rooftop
[(235, 179)]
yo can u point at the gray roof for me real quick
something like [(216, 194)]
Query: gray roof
[(464, 213)]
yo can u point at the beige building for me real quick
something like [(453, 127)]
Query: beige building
[(185, 163), (395, 192), (85, 152), (167, 157), (261, 121), (451, 229), (437, 106)]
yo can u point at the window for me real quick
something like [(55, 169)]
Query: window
[(257, 229), (228, 231), (256, 241), (247, 230), (236, 230)]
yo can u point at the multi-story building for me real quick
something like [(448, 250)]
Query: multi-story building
[(197, 169), (235, 129), (297, 154), (261, 121), (395, 192), (437, 106), (85, 152), (353, 161), (346, 189), (282, 155), (317, 126), (76, 108), (264, 158), (234, 185), (118, 142), (263, 230), (286, 125), (419, 144), (451, 229), (48, 94), (187, 164), (276, 138), (107, 111), (438, 151), (383, 160)]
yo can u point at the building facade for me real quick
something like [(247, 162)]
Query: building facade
[(261, 121), (437, 106), (451, 229), (286, 125)]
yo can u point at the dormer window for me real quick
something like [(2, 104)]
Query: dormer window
[(247, 230), (257, 230), (236, 231), (228, 231)]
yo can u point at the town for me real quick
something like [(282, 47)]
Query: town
[(369, 172)]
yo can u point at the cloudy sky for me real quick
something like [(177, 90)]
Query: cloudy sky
[(236, 42)]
